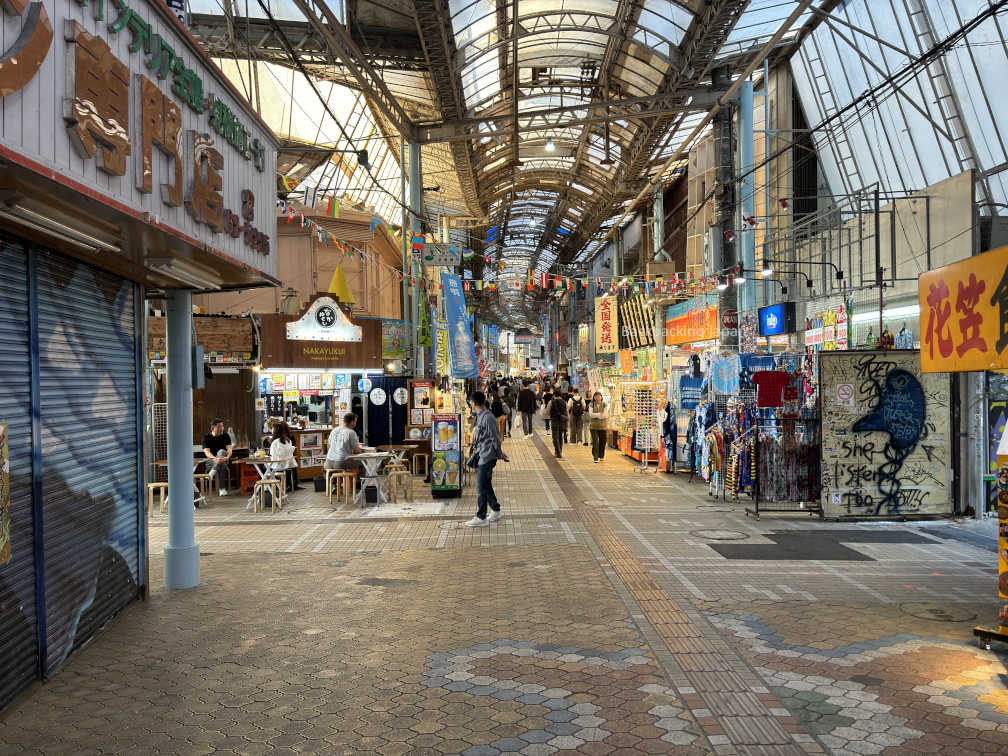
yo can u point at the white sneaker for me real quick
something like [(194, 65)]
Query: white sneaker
[(222, 492), (494, 516), (476, 522)]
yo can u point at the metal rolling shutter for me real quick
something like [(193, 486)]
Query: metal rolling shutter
[(88, 385), (18, 640)]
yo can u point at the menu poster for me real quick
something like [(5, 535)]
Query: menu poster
[(341, 380), (327, 382), (275, 405), (279, 382), (428, 416), (316, 381), (447, 453), (303, 382), (416, 417)]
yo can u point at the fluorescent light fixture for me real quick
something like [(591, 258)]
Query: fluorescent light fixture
[(185, 272), (39, 222), (550, 146), (890, 313), (722, 283)]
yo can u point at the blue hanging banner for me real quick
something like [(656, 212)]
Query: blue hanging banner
[(460, 341)]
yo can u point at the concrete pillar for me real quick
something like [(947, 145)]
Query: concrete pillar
[(747, 198), (416, 206), (181, 568)]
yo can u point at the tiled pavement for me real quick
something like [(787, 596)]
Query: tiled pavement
[(609, 612)]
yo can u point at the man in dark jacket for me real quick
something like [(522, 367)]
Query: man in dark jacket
[(558, 421), (527, 407)]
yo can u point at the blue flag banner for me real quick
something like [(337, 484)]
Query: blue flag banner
[(460, 341)]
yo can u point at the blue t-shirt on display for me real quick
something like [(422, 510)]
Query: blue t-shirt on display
[(690, 390), (725, 375)]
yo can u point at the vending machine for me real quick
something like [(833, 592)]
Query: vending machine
[(446, 456)]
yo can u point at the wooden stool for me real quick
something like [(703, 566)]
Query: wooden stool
[(205, 483), (162, 489), (341, 479), (425, 458), (399, 479), (274, 486)]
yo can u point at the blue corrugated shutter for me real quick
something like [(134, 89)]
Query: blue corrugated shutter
[(88, 385), (18, 641)]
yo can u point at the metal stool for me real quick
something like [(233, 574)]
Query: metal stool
[(275, 487), (341, 479), (162, 489), (417, 458)]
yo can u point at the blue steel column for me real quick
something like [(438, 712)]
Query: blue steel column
[(407, 246), (416, 207), (182, 569), (747, 195)]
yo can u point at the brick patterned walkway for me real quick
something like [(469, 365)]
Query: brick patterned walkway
[(609, 612)]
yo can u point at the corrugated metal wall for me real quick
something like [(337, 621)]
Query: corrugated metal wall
[(88, 385), (18, 642)]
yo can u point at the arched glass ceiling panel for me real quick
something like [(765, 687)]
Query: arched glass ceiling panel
[(668, 20), (759, 22)]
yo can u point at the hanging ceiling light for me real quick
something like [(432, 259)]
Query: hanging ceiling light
[(722, 283), (739, 278), (767, 270), (550, 146)]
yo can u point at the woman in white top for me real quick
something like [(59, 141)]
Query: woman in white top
[(281, 451)]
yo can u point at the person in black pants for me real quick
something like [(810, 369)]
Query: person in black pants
[(547, 397), (598, 424), (558, 421)]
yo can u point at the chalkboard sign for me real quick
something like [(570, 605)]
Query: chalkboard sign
[(274, 405)]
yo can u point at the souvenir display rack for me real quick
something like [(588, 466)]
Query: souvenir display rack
[(787, 463)]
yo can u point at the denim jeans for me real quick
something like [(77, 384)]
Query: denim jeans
[(485, 495), (219, 469)]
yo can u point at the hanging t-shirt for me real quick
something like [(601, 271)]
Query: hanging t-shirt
[(725, 376), (690, 390), (769, 385)]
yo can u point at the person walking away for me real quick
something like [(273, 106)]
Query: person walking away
[(576, 410), (546, 398), (509, 410), (598, 423), (500, 415), (217, 449), (343, 444), (558, 420), (281, 451), (527, 407), (487, 443)]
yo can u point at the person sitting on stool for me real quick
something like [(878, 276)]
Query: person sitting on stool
[(217, 449), (343, 443)]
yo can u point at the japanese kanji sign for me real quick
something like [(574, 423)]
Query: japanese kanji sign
[(964, 315), (130, 107), (606, 325)]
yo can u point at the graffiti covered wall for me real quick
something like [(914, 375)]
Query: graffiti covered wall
[(886, 437)]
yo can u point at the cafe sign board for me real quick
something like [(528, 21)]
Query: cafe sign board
[(115, 101), (964, 315)]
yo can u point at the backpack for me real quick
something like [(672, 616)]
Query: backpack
[(577, 407)]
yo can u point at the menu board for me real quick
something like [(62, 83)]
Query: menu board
[(446, 462)]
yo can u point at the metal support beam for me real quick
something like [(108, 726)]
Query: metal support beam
[(416, 213), (435, 29), (746, 197), (602, 111), (181, 566), (321, 17)]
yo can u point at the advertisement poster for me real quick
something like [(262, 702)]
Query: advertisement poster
[(423, 394), (606, 325), (393, 339), (460, 341), (441, 348), (5, 520), (447, 453)]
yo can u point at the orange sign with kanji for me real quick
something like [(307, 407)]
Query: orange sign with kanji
[(698, 325), (964, 315), (606, 325)]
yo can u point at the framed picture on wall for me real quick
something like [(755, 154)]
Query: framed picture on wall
[(428, 416), (417, 417)]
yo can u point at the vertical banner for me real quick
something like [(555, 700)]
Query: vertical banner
[(5, 521), (441, 347), (1002, 512), (460, 341), (606, 326)]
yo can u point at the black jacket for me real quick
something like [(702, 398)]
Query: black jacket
[(558, 409), (526, 400)]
